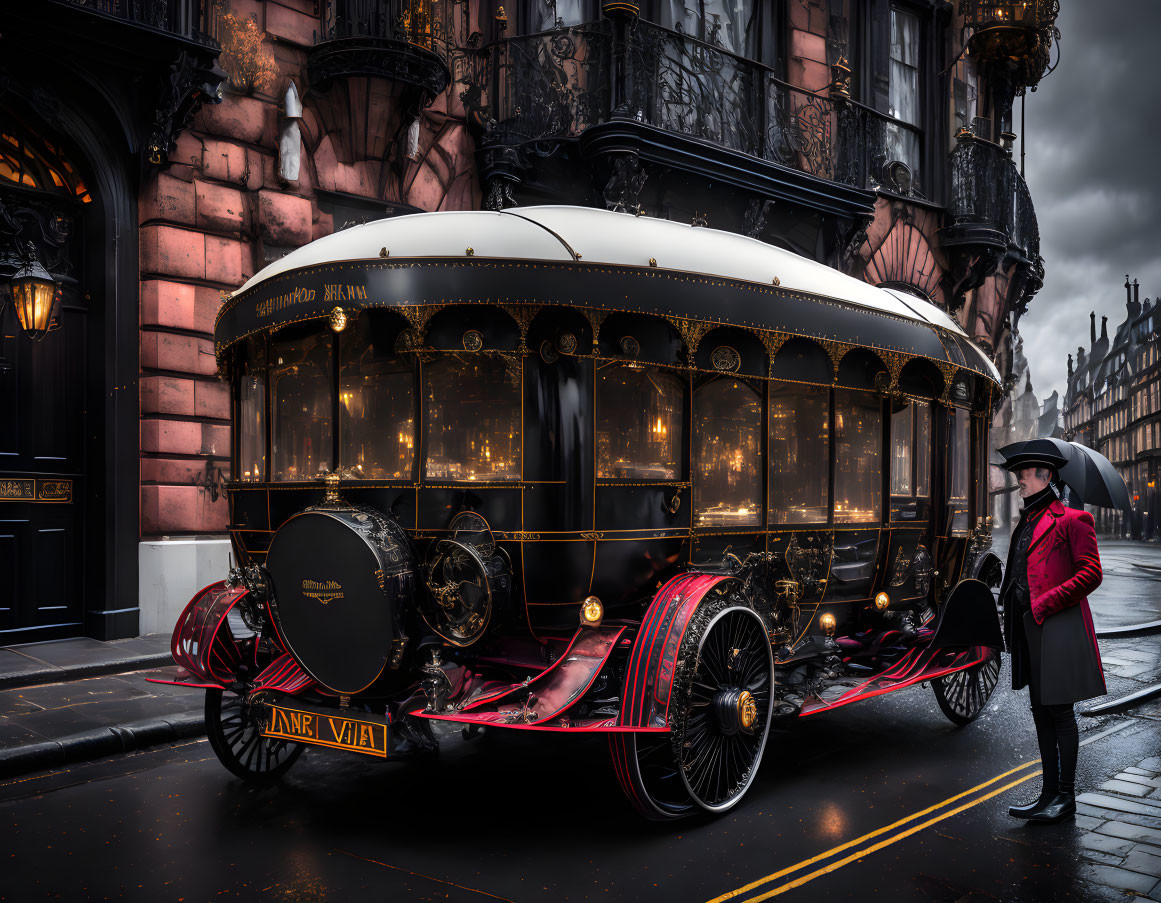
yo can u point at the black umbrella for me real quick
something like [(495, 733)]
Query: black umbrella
[(1103, 486), (1090, 475)]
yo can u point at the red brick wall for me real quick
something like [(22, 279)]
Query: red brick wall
[(207, 222)]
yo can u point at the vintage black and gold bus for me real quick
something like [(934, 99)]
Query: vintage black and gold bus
[(562, 469)]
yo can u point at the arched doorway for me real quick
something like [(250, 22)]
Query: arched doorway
[(47, 423)]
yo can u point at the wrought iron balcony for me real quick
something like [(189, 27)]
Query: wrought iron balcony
[(400, 40), (554, 86), (990, 203), (1016, 34), (183, 18)]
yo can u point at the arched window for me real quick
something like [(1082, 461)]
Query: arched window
[(911, 461), (251, 467), (376, 403), (640, 431), (472, 419), (302, 392), (858, 474), (727, 449), (30, 161), (799, 454)]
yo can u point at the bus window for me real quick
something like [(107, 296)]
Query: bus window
[(799, 454), (251, 464), (302, 399), (376, 404), (471, 419), (858, 475), (727, 448), (959, 461), (911, 461), (639, 423)]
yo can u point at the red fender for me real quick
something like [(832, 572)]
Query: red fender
[(208, 656), (649, 675)]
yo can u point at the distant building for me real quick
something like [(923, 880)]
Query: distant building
[(1020, 417), (1111, 404)]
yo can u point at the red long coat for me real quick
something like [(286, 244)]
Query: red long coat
[(1064, 566)]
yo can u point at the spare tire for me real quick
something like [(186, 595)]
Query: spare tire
[(342, 582)]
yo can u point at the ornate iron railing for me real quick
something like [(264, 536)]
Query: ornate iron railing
[(550, 85), (987, 190), (179, 17), (425, 23), (556, 84)]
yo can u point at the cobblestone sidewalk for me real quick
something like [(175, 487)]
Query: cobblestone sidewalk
[(1121, 845)]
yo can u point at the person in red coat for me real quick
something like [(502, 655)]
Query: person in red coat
[(1053, 566)]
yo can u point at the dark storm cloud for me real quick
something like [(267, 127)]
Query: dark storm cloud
[(1093, 132)]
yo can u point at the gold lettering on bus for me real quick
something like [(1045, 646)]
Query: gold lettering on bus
[(335, 292), (323, 591), (280, 302)]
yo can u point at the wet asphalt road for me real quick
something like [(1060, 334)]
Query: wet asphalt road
[(536, 819), (540, 818)]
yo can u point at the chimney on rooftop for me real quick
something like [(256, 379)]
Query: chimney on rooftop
[(1136, 292), (1092, 325), (1070, 366), (1105, 328), (1128, 290)]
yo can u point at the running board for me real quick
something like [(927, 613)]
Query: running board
[(917, 666), (542, 703)]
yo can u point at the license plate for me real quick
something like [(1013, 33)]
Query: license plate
[(319, 729)]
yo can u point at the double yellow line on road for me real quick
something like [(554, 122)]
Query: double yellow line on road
[(896, 831), (866, 851)]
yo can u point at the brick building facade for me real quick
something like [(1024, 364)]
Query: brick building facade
[(216, 135)]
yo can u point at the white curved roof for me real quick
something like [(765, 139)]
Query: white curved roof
[(565, 233)]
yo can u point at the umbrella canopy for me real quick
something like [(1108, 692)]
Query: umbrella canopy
[(1103, 486), (1090, 475)]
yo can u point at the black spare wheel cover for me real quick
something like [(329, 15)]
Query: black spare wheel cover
[(340, 580)]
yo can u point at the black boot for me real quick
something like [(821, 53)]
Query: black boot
[(1060, 805), (1026, 809)]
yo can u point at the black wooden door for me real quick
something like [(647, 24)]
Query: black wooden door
[(43, 444)]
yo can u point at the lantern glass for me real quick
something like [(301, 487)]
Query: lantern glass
[(33, 298)]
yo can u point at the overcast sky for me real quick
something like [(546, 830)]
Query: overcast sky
[(1093, 165)]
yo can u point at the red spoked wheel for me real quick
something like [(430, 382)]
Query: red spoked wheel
[(963, 695), (719, 720)]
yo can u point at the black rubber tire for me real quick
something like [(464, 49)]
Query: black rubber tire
[(963, 695), (655, 769), (235, 738)]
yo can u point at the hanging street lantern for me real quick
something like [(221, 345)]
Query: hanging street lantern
[(35, 296)]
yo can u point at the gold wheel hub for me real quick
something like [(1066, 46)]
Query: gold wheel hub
[(747, 709)]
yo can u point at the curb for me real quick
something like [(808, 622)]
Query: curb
[(51, 674), (107, 741), (1131, 630)]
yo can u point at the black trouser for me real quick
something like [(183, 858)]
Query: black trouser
[(1059, 740)]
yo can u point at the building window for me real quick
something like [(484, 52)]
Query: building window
[(639, 423), (858, 474), (799, 454), (543, 15), (903, 91), (471, 419), (727, 484), (728, 23)]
